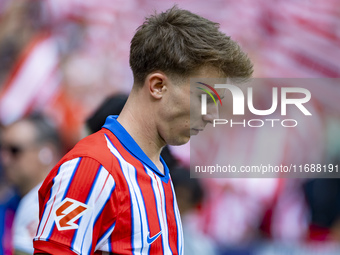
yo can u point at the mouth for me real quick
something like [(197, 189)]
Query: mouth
[(195, 131)]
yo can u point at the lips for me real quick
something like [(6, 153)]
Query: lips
[(195, 131)]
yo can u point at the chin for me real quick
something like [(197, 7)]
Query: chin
[(180, 140)]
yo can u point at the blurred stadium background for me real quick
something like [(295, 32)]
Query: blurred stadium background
[(65, 57)]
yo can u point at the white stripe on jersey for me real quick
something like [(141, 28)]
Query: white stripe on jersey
[(179, 224), (100, 193), (60, 185), (140, 223), (139, 217), (158, 207), (139, 210), (160, 202)]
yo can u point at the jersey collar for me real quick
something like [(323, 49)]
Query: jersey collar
[(127, 141)]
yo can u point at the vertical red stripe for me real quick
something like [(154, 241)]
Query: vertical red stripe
[(121, 237), (49, 213), (145, 184), (171, 217), (79, 190), (151, 211)]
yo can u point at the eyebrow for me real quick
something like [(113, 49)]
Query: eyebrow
[(221, 97)]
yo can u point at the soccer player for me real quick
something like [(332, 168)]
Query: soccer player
[(112, 193)]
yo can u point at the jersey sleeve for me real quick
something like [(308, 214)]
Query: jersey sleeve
[(77, 211)]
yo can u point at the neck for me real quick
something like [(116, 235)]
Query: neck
[(142, 129)]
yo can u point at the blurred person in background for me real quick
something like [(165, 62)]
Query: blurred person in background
[(323, 203), (112, 105), (9, 200), (30, 147)]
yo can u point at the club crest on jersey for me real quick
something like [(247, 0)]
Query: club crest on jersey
[(67, 212)]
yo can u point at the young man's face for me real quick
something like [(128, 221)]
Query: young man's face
[(20, 153), (181, 115)]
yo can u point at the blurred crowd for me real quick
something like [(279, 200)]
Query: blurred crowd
[(64, 68)]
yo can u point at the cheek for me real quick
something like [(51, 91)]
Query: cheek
[(180, 110), (34, 165), (195, 104), (14, 173), (195, 111)]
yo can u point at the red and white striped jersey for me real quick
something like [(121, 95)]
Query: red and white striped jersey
[(106, 196)]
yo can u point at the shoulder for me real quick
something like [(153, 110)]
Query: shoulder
[(86, 157), (94, 147)]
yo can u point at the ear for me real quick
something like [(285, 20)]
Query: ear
[(157, 83)]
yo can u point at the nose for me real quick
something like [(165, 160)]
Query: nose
[(212, 113)]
